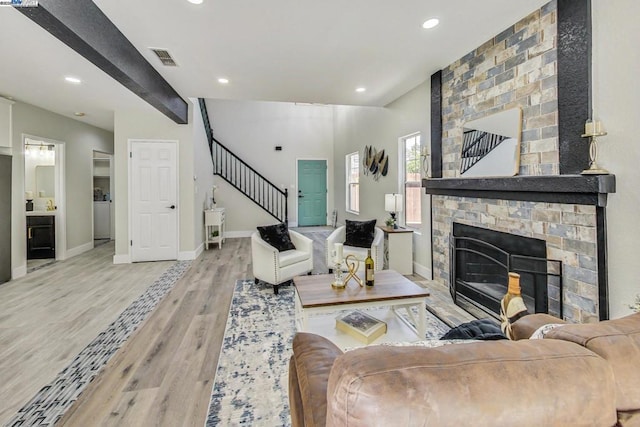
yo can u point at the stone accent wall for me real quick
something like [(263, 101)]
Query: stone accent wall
[(516, 68)]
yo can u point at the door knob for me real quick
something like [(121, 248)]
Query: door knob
[(172, 207), (300, 194)]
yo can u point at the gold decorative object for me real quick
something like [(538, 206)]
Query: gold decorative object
[(593, 130), (353, 269), (375, 162), (352, 265)]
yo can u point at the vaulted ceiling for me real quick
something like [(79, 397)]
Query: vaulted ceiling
[(276, 50)]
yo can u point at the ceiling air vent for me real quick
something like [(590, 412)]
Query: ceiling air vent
[(164, 56)]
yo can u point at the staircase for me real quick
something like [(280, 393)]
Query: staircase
[(243, 177)]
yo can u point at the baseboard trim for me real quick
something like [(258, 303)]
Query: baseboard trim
[(77, 250), (122, 259), (190, 255), (422, 270), (237, 234)]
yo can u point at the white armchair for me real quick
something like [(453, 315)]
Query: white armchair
[(339, 236), (275, 267)]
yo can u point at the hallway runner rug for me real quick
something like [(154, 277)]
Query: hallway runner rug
[(251, 384), (53, 400)]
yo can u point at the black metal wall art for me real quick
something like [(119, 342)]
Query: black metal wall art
[(375, 162)]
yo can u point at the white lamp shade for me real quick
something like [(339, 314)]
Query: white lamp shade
[(393, 202)]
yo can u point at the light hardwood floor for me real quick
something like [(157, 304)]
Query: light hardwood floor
[(48, 316), (162, 376)]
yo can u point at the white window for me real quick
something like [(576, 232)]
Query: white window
[(353, 182), (410, 158)]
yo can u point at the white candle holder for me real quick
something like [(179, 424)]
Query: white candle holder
[(594, 169), (338, 282)]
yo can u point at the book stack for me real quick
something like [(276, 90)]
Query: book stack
[(361, 326)]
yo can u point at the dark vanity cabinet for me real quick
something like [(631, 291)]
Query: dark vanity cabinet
[(41, 237)]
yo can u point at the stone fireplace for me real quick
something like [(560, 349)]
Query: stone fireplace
[(565, 212), (542, 65)]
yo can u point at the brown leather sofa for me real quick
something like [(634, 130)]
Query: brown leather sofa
[(579, 375)]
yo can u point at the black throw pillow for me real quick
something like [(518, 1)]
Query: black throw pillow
[(360, 233), (482, 329), (277, 236)]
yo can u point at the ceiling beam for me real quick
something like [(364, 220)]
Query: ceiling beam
[(82, 26)]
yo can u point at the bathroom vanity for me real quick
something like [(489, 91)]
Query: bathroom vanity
[(41, 235)]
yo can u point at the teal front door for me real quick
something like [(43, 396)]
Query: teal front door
[(312, 192)]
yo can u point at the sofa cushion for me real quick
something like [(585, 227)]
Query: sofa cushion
[(527, 325), (277, 236), (618, 342), (292, 257), (313, 357), (360, 233), (496, 383)]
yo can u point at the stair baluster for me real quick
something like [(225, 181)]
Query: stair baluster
[(243, 177)]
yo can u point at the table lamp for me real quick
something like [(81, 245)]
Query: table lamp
[(393, 205)]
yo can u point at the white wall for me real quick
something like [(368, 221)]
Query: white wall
[(252, 129), (148, 123), (203, 175), (80, 140), (381, 128), (616, 60)]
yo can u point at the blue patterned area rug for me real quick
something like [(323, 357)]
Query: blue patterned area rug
[(251, 384)]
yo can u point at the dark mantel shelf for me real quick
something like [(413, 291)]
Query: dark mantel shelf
[(569, 189)]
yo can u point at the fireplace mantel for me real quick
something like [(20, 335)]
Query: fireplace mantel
[(569, 189)]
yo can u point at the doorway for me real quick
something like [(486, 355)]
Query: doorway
[(44, 207), (102, 198), (153, 200), (312, 192)]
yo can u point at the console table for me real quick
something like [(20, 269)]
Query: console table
[(398, 249), (214, 227)]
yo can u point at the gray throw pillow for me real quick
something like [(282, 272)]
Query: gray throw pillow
[(277, 236), (360, 233)]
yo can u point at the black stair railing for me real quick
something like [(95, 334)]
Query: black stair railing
[(243, 177), (475, 145)]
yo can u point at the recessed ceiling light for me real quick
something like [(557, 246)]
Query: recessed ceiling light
[(430, 23), (223, 81), (195, 1), (361, 89), (73, 80), (79, 114)]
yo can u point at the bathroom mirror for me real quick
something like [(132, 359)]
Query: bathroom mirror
[(45, 181), (491, 145)]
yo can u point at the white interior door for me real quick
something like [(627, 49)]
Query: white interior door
[(154, 201)]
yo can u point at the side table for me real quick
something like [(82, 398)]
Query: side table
[(214, 227), (398, 249)]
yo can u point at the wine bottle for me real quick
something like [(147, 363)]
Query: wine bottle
[(512, 305), (368, 269)]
